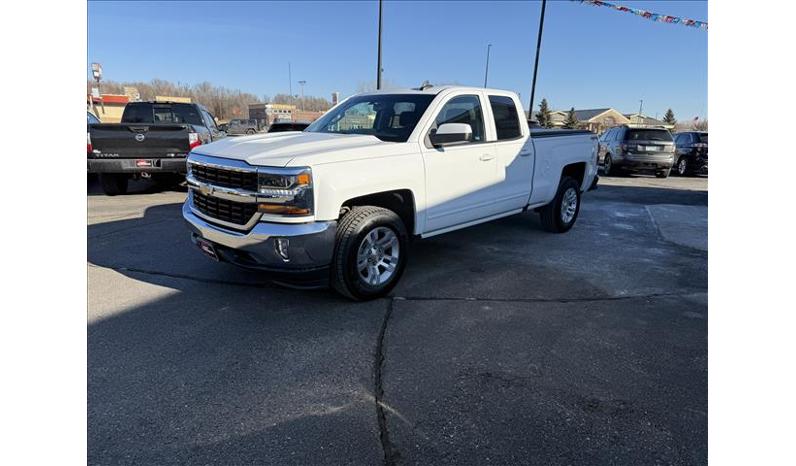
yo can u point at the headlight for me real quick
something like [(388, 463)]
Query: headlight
[(285, 192)]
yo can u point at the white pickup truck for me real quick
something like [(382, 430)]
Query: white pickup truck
[(337, 203)]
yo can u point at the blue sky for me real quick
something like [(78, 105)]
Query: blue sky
[(591, 56)]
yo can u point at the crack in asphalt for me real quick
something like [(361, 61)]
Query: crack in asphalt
[(391, 456)]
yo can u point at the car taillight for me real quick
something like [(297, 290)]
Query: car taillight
[(193, 140), (89, 149)]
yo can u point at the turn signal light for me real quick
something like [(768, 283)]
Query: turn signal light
[(281, 209), (89, 147)]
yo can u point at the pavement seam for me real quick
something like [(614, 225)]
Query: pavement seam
[(550, 300), (391, 456), (178, 276)]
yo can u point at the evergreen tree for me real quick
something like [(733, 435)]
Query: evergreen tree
[(669, 119), (572, 121), (543, 115)]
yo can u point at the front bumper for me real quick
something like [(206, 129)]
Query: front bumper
[(161, 165), (309, 246)]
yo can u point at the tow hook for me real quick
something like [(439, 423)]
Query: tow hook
[(145, 175)]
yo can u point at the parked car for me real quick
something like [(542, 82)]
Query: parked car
[(636, 149), (281, 126), (692, 153), (338, 202), (152, 140), (239, 126), (223, 127)]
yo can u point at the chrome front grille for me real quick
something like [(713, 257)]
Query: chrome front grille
[(238, 213), (236, 179)]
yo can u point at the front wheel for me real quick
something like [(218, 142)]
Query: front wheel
[(559, 215), (370, 254)]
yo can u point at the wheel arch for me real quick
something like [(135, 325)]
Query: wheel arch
[(400, 201)]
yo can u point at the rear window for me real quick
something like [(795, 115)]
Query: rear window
[(633, 134), (507, 122), (162, 113)]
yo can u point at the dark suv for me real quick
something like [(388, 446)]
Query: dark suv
[(636, 149), (692, 153)]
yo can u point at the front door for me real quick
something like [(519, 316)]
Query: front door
[(461, 180)]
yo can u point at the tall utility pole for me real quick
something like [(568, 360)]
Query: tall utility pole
[(536, 62), (289, 80), (640, 107), (486, 73), (378, 64), (302, 83)]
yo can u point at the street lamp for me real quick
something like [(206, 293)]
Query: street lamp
[(302, 83), (96, 71)]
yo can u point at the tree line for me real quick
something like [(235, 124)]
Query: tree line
[(222, 102)]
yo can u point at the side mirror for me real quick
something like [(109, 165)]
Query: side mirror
[(450, 134)]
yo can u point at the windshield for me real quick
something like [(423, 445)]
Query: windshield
[(648, 135), (703, 137), (389, 117)]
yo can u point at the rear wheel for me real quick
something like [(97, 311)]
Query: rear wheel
[(682, 166), (559, 215), (607, 165), (370, 253), (113, 183)]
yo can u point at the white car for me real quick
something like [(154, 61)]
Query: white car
[(338, 202)]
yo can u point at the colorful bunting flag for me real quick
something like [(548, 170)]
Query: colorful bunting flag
[(649, 14)]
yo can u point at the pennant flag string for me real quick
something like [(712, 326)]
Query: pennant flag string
[(649, 15)]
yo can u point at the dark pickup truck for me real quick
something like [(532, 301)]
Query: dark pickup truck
[(152, 141)]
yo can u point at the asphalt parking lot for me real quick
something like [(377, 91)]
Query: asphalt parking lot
[(502, 344)]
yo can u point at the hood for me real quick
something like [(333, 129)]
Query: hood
[(278, 149)]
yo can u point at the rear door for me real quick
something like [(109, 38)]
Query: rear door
[(461, 181), (514, 153)]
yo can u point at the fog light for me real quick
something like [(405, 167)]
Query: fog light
[(281, 245)]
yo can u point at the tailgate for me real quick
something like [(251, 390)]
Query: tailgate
[(139, 141)]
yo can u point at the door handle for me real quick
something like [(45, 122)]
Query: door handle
[(486, 157), (525, 152)]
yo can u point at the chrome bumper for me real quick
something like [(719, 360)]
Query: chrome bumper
[(309, 245)]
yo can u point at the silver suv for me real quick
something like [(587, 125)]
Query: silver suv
[(637, 149)]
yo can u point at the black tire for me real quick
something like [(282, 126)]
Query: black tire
[(663, 174), (167, 180), (682, 167), (113, 183), (551, 213), (607, 165), (351, 232), (250, 131)]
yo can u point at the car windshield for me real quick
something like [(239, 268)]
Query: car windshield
[(648, 135), (389, 117), (703, 137)]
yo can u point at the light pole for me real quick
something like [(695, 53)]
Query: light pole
[(640, 108), (536, 62), (289, 80), (486, 73), (302, 83), (96, 71), (378, 61)]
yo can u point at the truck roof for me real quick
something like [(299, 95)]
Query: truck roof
[(434, 90)]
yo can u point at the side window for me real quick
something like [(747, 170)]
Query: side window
[(464, 109), (507, 122), (210, 121)]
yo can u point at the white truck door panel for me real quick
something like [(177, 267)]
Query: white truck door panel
[(462, 181)]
